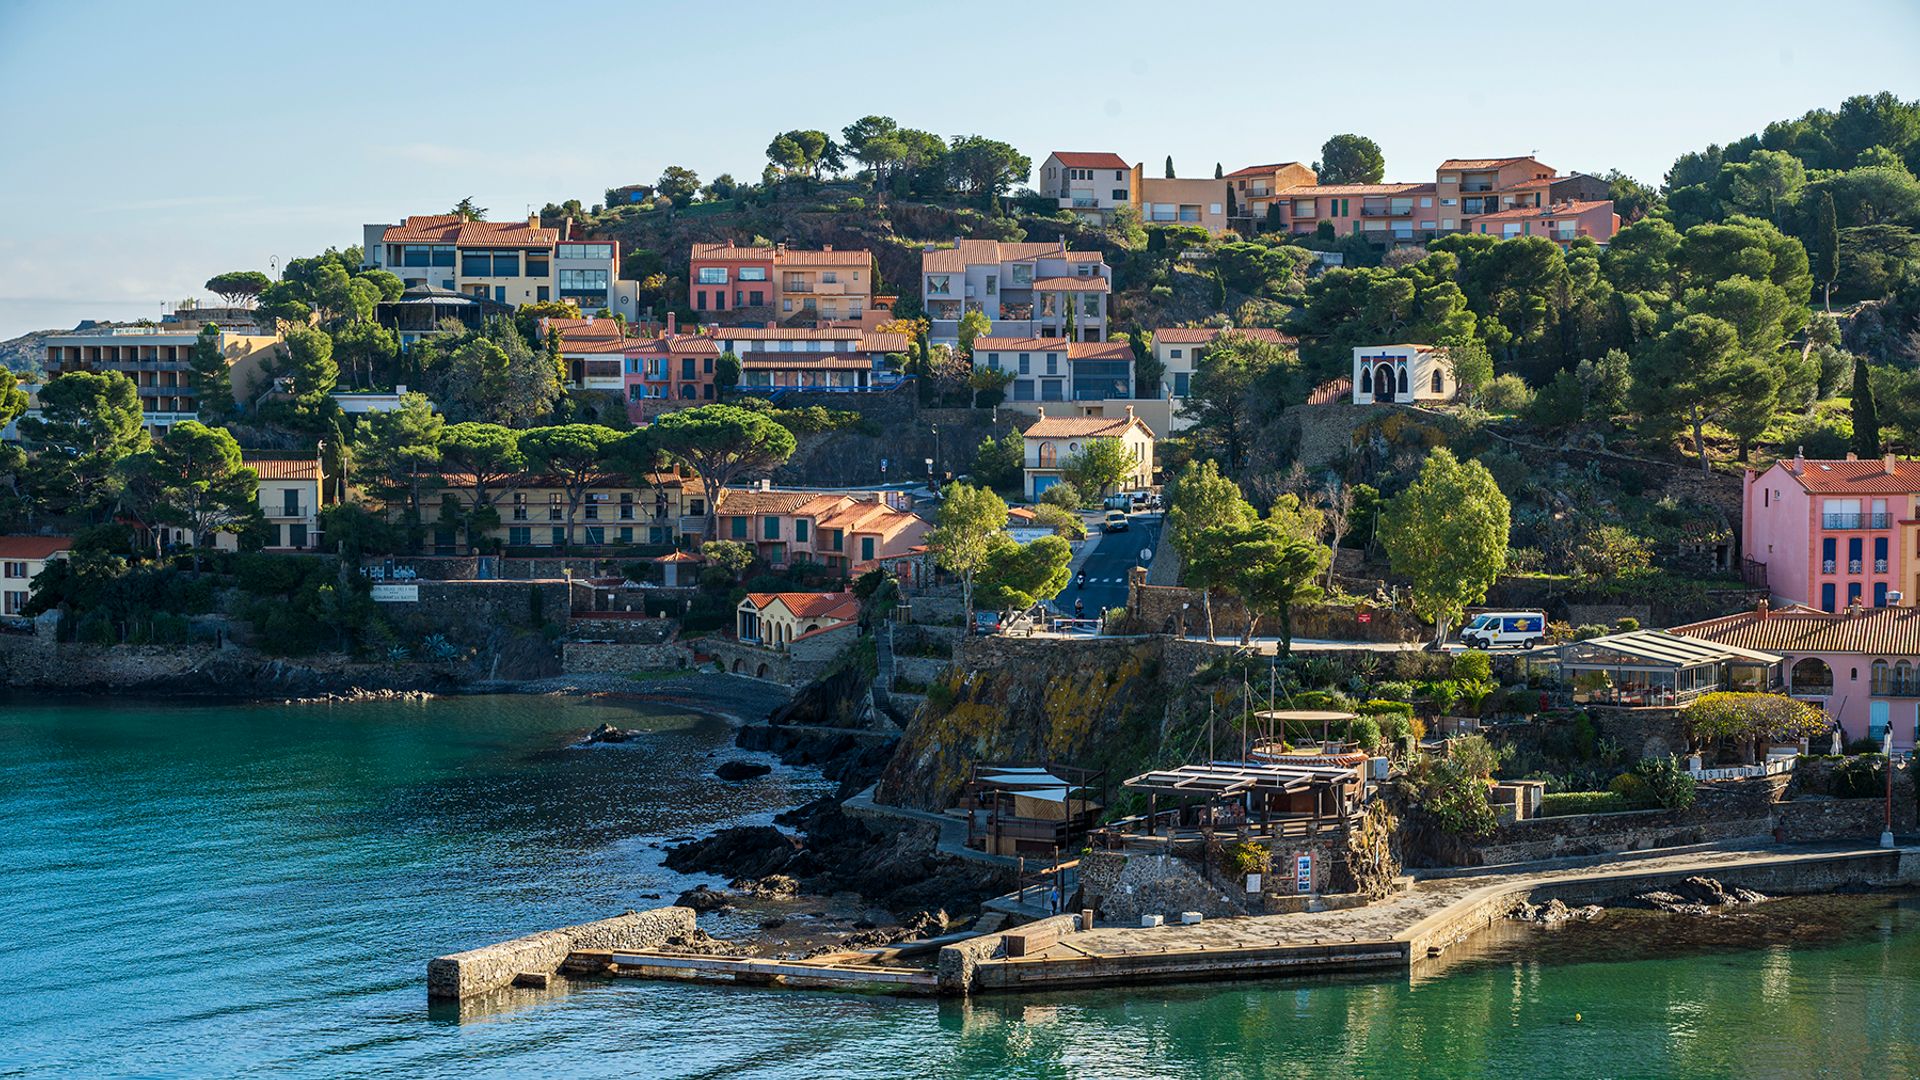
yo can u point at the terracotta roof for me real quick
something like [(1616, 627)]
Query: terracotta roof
[(826, 361), (577, 346), (1890, 631), (33, 547), (1863, 477), (855, 257), (450, 229), (1019, 344), (275, 469), (883, 343), (735, 502), (1530, 213), (1483, 163), (1021, 513), (731, 252), (1260, 170), (974, 252), (806, 605), (583, 328), (1080, 427), (678, 557), (1202, 335), (1301, 191), (1541, 181), (1099, 350), (1077, 160), (1074, 284), (788, 333)]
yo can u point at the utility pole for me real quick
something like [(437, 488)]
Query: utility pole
[(1886, 836)]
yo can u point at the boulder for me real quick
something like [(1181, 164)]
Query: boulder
[(607, 733), (702, 899), (741, 770)]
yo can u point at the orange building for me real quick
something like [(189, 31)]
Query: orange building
[(790, 283)]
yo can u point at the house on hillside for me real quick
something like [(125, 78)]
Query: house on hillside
[(1089, 184), (1562, 222), (1385, 374), (1861, 666), (777, 620), (1179, 349), (788, 283), (508, 262), (1053, 440), (1256, 187), (1024, 290), (22, 558), (1089, 373), (1835, 533), (157, 357)]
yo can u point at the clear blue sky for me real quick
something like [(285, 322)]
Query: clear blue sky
[(148, 146)]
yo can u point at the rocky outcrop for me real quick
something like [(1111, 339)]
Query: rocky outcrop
[(203, 671), (1553, 912), (1697, 896), (735, 771)]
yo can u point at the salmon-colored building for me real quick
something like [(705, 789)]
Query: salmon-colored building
[(653, 372), (1257, 186), (1834, 533), (791, 283), (1562, 223)]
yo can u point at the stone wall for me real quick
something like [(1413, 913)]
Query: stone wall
[(627, 631), (800, 662), (1640, 733), (1122, 886), (620, 658), (1155, 609), (472, 610), (958, 963), (907, 436), (477, 971), (1722, 810)]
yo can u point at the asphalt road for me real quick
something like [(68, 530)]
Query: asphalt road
[(1113, 555)]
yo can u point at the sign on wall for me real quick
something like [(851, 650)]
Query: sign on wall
[(396, 594), (1303, 873)]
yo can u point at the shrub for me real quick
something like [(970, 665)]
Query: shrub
[(1626, 624), (1589, 631), (1507, 394), (1859, 778), (1632, 788), (1063, 495), (1473, 664), (1365, 731), (1667, 781), (1565, 803), (1456, 797), (1246, 857), (1393, 691)]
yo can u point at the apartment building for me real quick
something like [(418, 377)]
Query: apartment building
[(508, 262), (790, 282), (1472, 187), (1089, 184), (1832, 534), (1386, 212), (847, 532), (1562, 223), (1179, 349), (1052, 441), (22, 558), (835, 357), (1167, 201), (1025, 290), (1257, 186), (1048, 369), (158, 358), (291, 494)]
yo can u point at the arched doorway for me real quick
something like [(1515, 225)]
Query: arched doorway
[(1812, 677), (762, 673), (1383, 383)]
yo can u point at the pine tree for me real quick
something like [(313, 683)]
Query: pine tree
[(1866, 418), (1826, 245), (212, 380)]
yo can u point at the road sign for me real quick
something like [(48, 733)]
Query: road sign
[(1365, 616), (1146, 555)]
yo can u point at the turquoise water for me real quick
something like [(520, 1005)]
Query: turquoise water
[(226, 890)]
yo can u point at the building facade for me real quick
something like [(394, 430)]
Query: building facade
[(1835, 533), (1384, 374), (1025, 290), (508, 262), (22, 558), (291, 495), (1166, 201), (1860, 666), (1047, 369), (1052, 441), (1562, 223), (777, 620), (158, 358), (1179, 349), (788, 283), (1257, 187), (1089, 184)]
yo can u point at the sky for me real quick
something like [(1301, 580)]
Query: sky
[(145, 147)]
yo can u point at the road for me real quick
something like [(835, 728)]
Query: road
[(1107, 564)]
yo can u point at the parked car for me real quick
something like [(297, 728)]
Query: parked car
[(1116, 521), (1142, 501), (1519, 629)]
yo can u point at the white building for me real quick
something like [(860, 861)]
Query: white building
[(1089, 184), (1180, 350), (1401, 373), (21, 560), (1025, 290), (1045, 369), (509, 262), (1054, 440)]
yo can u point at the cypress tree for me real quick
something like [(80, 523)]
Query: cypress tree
[(1218, 172), (1169, 166), (1866, 419), (1826, 245)]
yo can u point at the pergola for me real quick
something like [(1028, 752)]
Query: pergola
[(1653, 667), (1254, 796), (1276, 720)]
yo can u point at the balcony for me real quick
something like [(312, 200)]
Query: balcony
[(1826, 566), (1472, 186), (1853, 566), (1879, 566), (1386, 211), (1896, 687), (1856, 521)]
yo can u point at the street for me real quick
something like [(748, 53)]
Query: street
[(1107, 564)]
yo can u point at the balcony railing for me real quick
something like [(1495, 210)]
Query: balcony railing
[(1477, 185), (1856, 521), (1879, 566), (1386, 211), (1826, 566), (1853, 566), (1896, 687)]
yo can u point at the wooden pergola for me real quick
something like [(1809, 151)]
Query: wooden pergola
[(1253, 797)]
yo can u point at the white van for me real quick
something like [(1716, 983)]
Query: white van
[(1520, 629)]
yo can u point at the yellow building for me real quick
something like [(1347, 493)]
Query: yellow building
[(777, 620)]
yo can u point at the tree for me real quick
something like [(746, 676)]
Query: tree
[(726, 373), (973, 325), (1678, 379), (402, 449), (990, 381), (803, 153), (1750, 388), (728, 556), (1234, 387), (1866, 418), (212, 378), (366, 351), (487, 455), (312, 373), (1824, 250), (238, 286), (1471, 364), (1268, 569), (970, 520), (204, 487), (1350, 159), (721, 443), (1336, 506), (1170, 167), (574, 454), (1448, 533), (999, 463), (1197, 500), (467, 210), (1100, 466), (1015, 576), (88, 423), (1218, 172), (495, 376), (986, 167), (678, 184), (1746, 717)]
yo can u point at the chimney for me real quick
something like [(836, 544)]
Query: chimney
[(672, 321), (1129, 414), (826, 247), (1043, 412), (1799, 459), (1887, 464), (533, 221), (1851, 456)]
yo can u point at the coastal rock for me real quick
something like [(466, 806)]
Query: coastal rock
[(607, 733), (357, 693), (922, 925), (747, 851), (702, 899), (700, 943), (1697, 896), (741, 770), (1553, 913), (771, 887)]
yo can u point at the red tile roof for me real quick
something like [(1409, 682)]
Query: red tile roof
[(1082, 427), (787, 333), (1020, 344), (1301, 191), (275, 469), (1893, 631), (735, 502), (1863, 477), (1260, 170), (1483, 163), (1202, 335), (804, 605), (810, 361), (1076, 160), (1099, 350), (1530, 213), (730, 252), (855, 257), (33, 547), (1074, 284), (450, 229), (977, 252)]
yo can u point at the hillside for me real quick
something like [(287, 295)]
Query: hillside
[(25, 355)]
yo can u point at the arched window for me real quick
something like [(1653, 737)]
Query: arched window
[(687, 392), (1048, 455), (1881, 679), (1439, 382), (1812, 676), (1403, 380), (1903, 681), (1366, 379)]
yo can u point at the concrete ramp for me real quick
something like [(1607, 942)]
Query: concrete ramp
[(839, 972)]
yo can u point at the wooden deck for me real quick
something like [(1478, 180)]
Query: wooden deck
[(837, 971)]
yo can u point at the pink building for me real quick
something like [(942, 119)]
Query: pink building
[(1562, 223), (1861, 666), (1834, 533)]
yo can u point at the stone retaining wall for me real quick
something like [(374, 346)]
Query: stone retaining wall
[(1123, 886), (1155, 609), (959, 962), (619, 658), (477, 971)]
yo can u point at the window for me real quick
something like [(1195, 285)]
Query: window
[(836, 539), (626, 506), (752, 273), (1025, 359), (519, 536), (290, 502), (589, 283), (1023, 390), (993, 361), (15, 603), (1053, 363), (737, 526), (556, 536), (537, 265), (1439, 383), (866, 548), (1182, 383), (756, 298), (543, 296), (584, 251), (828, 277), (556, 510), (297, 535), (1022, 276), (596, 535), (1119, 194), (1826, 598), (476, 263), (940, 286), (993, 284), (519, 506), (770, 527), (15, 570), (800, 527), (1052, 390), (713, 275)]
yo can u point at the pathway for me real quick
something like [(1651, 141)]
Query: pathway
[(953, 831)]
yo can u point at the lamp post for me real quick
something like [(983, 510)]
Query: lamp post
[(1886, 835)]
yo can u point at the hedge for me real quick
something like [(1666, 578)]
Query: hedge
[(1565, 803)]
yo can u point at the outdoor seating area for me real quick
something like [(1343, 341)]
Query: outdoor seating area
[(1029, 808), (1249, 799), (1653, 668)]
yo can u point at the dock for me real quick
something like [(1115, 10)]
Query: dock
[(837, 971)]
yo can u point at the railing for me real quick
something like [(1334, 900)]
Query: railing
[(1856, 521), (1827, 566), (1879, 566), (1386, 211), (1477, 186), (1853, 566), (1896, 688)]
